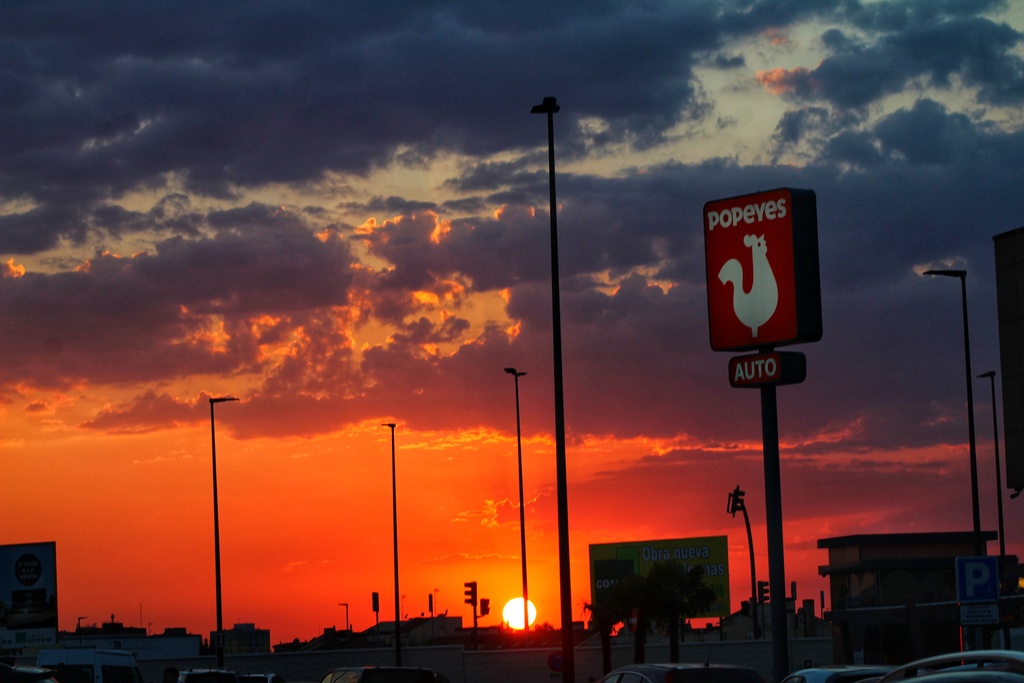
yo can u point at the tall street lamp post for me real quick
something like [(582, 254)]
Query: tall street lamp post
[(991, 375), (216, 532), (345, 605), (979, 548), (522, 508), (549, 107), (394, 517)]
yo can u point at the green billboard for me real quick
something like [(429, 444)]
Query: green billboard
[(610, 562)]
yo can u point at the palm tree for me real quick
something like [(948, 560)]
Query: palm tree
[(603, 616), (616, 605), (674, 591)]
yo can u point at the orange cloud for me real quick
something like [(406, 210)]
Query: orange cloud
[(12, 270), (778, 81)]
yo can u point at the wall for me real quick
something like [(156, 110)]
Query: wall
[(499, 666)]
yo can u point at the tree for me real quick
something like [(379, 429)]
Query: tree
[(674, 591), (616, 605)]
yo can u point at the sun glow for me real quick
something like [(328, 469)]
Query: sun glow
[(512, 613)]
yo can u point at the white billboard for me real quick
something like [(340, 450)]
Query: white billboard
[(28, 596)]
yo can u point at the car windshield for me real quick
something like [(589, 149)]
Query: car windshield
[(714, 675), (397, 676), (209, 677)]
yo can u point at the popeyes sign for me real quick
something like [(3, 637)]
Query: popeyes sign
[(761, 253)]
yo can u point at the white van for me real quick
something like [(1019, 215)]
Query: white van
[(90, 665)]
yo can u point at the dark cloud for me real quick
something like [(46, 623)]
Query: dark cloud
[(103, 101), (148, 317), (938, 44), (287, 93)]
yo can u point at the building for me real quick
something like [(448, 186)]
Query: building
[(894, 596), (113, 635), (244, 639)]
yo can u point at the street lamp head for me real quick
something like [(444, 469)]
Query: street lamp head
[(948, 273), (990, 373), (514, 373), (548, 106), (388, 424), (223, 399)]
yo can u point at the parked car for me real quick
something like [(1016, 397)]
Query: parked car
[(840, 673), (260, 678), (207, 676), (968, 663), (90, 665), (19, 673), (972, 676), (683, 673), (383, 674)]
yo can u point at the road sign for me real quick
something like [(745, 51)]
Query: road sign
[(979, 614), (763, 283), (760, 369), (977, 579)]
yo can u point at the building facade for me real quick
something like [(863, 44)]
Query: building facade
[(894, 596)]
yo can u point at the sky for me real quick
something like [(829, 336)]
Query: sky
[(338, 213)]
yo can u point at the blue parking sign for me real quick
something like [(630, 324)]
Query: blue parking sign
[(977, 579)]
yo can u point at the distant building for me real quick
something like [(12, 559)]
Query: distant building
[(245, 639), (173, 643), (1009, 255), (893, 596)]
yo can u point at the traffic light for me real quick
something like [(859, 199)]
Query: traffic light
[(471, 593), (736, 500), (376, 601), (485, 607), (762, 592), (430, 603)]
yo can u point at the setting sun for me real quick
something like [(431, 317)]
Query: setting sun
[(512, 614)]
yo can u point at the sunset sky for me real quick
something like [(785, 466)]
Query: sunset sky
[(338, 212)]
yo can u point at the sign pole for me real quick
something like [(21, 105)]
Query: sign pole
[(773, 519)]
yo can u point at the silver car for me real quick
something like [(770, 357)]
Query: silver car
[(683, 673), (839, 673)]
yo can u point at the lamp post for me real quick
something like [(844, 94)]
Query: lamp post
[(216, 532), (394, 517), (345, 605), (991, 375), (78, 629), (549, 107), (522, 507), (979, 548)]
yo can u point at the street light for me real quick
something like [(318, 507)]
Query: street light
[(394, 517), (979, 548), (216, 532), (991, 374), (522, 508), (549, 107), (345, 605)]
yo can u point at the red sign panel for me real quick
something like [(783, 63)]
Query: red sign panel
[(761, 253), (761, 369)]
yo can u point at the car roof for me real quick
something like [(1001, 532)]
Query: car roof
[(843, 672), (1007, 660)]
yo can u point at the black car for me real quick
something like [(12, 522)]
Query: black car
[(383, 674)]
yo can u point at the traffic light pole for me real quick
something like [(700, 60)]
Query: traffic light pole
[(736, 504), (471, 599)]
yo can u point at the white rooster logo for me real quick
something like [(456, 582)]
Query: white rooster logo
[(756, 307)]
